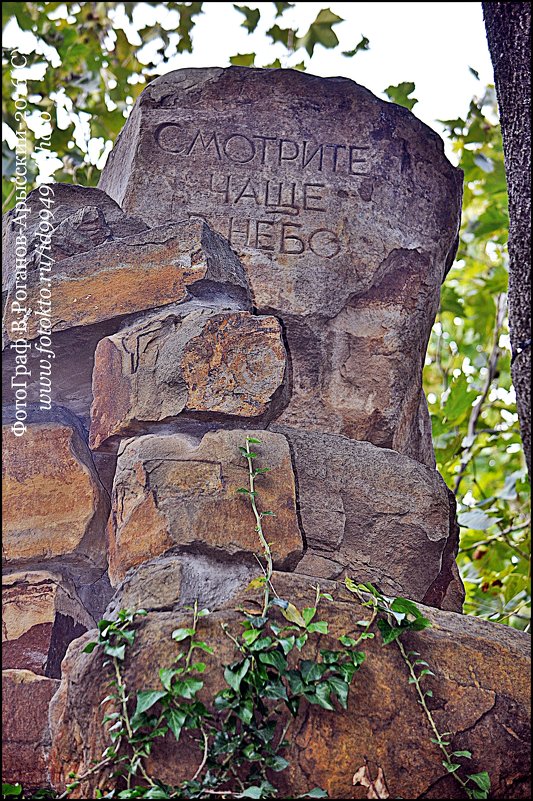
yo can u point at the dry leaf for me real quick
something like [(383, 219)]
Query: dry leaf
[(377, 788)]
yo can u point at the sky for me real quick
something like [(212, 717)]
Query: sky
[(431, 44)]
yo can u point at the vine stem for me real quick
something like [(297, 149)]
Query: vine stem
[(427, 711), (259, 527)]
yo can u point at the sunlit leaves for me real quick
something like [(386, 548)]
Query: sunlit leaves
[(363, 44), (493, 508), (243, 60), (400, 94), (251, 17), (320, 32), (280, 8)]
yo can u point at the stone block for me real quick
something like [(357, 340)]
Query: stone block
[(220, 364), (175, 492)]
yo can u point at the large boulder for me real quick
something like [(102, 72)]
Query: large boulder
[(173, 492), (344, 211), (41, 615), (197, 360), (376, 514), (55, 507), (481, 693)]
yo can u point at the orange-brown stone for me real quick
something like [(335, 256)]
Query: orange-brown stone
[(185, 360), (41, 614), (481, 693), (170, 491), (111, 279), (54, 503), (25, 729)]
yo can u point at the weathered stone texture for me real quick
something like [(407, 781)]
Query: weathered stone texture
[(481, 692), (25, 729), (63, 220), (191, 359), (54, 503), (344, 211), (171, 491), (41, 615), (111, 279), (375, 514)]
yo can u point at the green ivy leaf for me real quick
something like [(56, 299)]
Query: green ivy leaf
[(400, 94), (275, 659), (182, 634), (147, 698), (116, 651), (235, 674), (340, 688), (175, 719), (482, 780), (252, 16), (389, 633), (451, 767), (364, 44)]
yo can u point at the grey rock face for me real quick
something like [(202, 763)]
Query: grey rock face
[(344, 211), (375, 515)]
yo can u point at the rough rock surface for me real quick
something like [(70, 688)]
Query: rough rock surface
[(111, 279), (63, 220), (173, 491), (344, 211), (481, 692), (54, 504), (191, 359), (375, 514), (88, 296), (25, 729), (41, 615)]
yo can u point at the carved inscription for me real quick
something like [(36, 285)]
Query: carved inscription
[(272, 188)]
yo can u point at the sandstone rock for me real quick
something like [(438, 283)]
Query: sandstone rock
[(198, 359), (171, 491), (55, 506), (25, 730), (63, 220), (344, 211), (111, 279), (41, 615), (481, 692), (175, 581), (375, 514)]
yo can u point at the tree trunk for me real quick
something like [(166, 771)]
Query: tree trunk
[(508, 27)]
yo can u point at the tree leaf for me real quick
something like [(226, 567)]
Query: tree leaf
[(252, 16), (364, 44), (400, 94)]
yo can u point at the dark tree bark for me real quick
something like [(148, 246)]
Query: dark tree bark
[(508, 27)]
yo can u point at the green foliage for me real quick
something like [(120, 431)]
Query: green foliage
[(251, 17), (468, 383), (363, 44), (400, 94)]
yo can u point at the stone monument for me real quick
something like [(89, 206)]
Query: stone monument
[(263, 256)]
